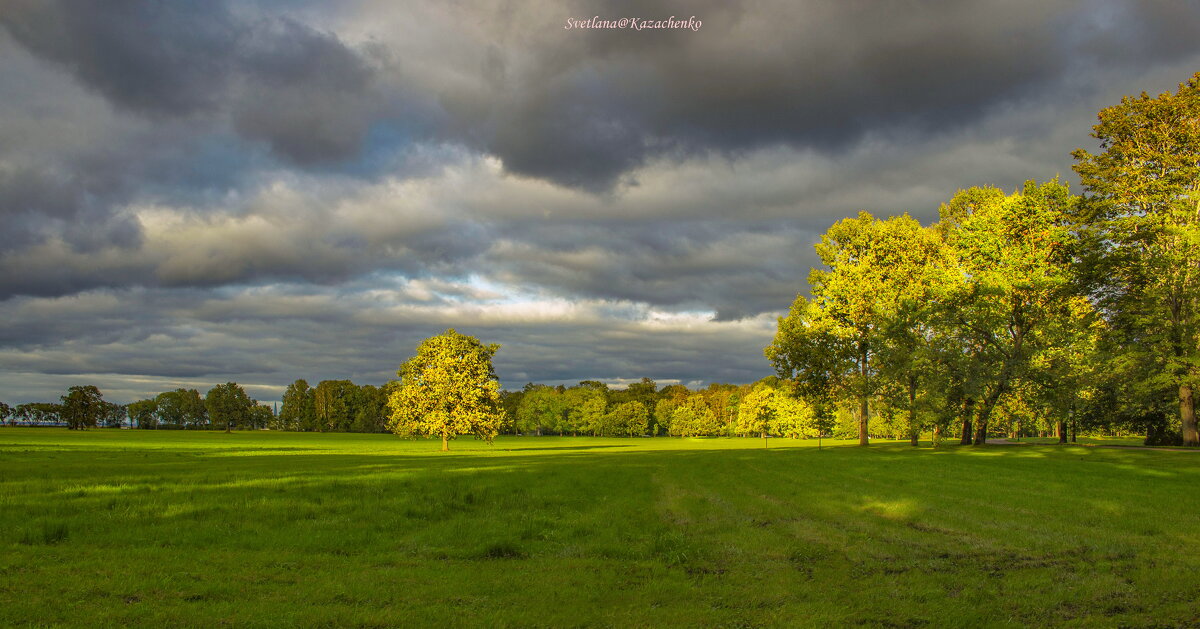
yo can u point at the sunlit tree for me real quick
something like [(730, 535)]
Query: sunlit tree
[(447, 389), (1143, 190)]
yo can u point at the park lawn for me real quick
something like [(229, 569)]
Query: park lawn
[(1132, 441), (111, 527)]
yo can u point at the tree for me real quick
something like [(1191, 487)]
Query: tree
[(692, 417), (1014, 281), (629, 418), (794, 417), (143, 413), (585, 407), (449, 388), (298, 411), (6, 412), (113, 415), (83, 407), (229, 406), (39, 412), (369, 404), (333, 402), (541, 409), (757, 412), (182, 408), (1143, 190), (832, 343), (260, 416)]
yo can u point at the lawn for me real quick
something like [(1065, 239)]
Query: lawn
[(109, 527)]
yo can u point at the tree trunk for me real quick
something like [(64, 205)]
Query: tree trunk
[(1062, 431), (862, 409), (968, 408), (985, 412), (862, 422), (764, 436), (1187, 413), (445, 443), (914, 431)]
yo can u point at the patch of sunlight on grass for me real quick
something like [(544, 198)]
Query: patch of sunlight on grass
[(97, 490), (899, 510)]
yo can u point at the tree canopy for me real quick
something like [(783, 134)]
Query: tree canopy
[(449, 388)]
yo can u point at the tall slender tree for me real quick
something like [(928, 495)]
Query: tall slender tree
[(1143, 189)]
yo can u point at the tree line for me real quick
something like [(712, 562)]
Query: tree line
[(224, 407)]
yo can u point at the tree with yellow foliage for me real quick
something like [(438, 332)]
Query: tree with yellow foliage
[(448, 389)]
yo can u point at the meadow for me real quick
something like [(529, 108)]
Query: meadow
[(112, 527)]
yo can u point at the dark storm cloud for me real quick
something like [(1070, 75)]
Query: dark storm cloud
[(302, 92), (37, 203), (595, 103)]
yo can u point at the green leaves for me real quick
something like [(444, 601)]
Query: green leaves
[(1144, 191)]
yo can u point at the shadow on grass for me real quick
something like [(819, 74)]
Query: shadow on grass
[(567, 448)]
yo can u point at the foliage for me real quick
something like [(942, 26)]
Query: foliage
[(541, 409), (1014, 288), (585, 407), (143, 413), (1144, 200), (228, 406), (448, 389), (874, 275), (627, 419), (181, 408), (756, 415), (83, 407)]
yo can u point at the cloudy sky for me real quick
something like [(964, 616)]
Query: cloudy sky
[(196, 192)]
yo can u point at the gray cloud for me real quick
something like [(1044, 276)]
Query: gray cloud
[(301, 91), (270, 335), (582, 108)]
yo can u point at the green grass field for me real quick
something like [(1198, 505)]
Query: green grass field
[(108, 527)]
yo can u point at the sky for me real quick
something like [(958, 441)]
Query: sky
[(197, 192)]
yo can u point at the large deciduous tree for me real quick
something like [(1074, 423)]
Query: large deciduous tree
[(756, 414), (449, 388), (143, 413), (298, 411), (229, 406), (1014, 282), (181, 408), (1144, 190), (830, 344), (83, 407)]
